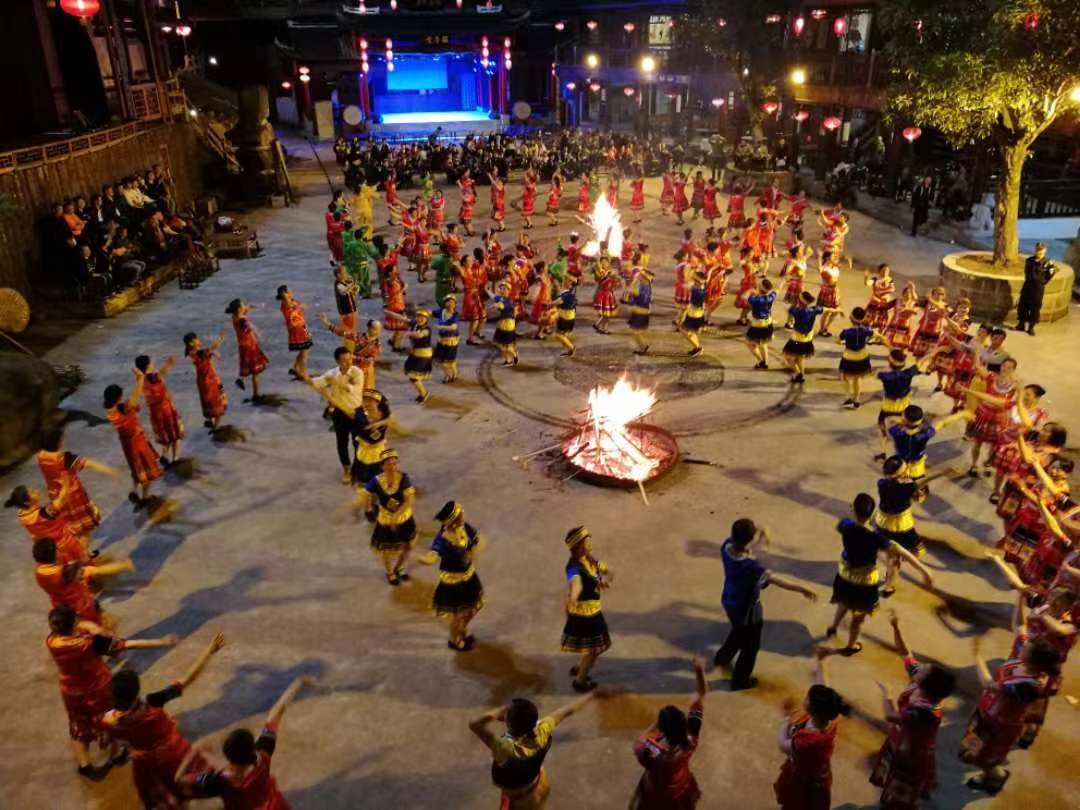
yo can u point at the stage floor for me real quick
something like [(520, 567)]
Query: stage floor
[(432, 117)]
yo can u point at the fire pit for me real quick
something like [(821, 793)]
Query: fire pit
[(612, 446)]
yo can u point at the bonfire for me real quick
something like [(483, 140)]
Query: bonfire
[(607, 228)]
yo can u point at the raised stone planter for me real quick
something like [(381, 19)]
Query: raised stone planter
[(994, 294)]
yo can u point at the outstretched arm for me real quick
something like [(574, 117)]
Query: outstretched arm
[(151, 643), (571, 709), (216, 643), (898, 636), (981, 669), (479, 726), (97, 466), (108, 569), (287, 697), (791, 585), (1010, 573), (907, 556), (701, 685)]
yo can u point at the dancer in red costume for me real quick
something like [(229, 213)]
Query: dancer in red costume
[(680, 203), (667, 193), (296, 330), (211, 392), (808, 737), (637, 195), (78, 649), (498, 201), (47, 522), (123, 414), (553, 198), (60, 468), (67, 583), (528, 197), (252, 360), (468, 201), (245, 781), (165, 422), (906, 767), (155, 744), (664, 751)]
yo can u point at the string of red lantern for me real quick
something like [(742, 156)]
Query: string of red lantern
[(80, 8)]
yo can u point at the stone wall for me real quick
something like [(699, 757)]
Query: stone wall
[(993, 296), (34, 188)]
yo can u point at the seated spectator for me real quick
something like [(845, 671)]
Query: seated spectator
[(158, 190), (75, 223), (81, 209), (111, 204), (123, 255), (58, 245), (91, 276), (162, 242), (139, 206), (98, 220)]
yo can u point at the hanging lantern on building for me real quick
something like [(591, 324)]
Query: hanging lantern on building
[(628, 91), (389, 55), (592, 25), (364, 66), (507, 62), (166, 29), (560, 26), (183, 30), (80, 8), (393, 5), (839, 26), (1031, 20), (286, 85), (718, 103), (571, 86), (911, 134), (305, 77), (460, 3), (772, 19), (819, 13), (629, 27), (831, 123), (721, 22), (303, 70), (801, 116), (595, 87), (770, 107), (484, 52), (798, 25)]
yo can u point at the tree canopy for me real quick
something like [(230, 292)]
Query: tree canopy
[(973, 68)]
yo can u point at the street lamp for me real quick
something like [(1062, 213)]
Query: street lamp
[(798, 77), (648, 65), (592, 61)]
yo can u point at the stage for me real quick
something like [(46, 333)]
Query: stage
[(437, 118)]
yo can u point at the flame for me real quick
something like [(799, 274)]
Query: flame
[(605, 436), (607, 225)]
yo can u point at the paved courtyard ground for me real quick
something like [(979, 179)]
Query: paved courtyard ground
[(261, 542)]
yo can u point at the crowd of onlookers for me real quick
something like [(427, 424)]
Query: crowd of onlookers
[(100, 245)]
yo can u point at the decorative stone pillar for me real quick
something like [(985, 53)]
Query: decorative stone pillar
[(253, 137)]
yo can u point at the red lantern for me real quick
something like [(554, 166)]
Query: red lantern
[(80, 8), (183, 30), (721, 22), (628, 91), (797, 25), (595, 87), (286, 85), (1031, 20), (801, 116), (571, 86), (560, 26), (819, 14), (629, 27), (718, 103), (839, 26), (772, 19), (770, 107), (831, 123), (592, 25), (911, 134)]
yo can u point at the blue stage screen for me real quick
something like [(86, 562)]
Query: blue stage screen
[(417, 73)]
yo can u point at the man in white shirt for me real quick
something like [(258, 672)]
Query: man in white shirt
[(343, 387)]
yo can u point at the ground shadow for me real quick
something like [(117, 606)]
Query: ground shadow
[(228, 434), (509, 674)]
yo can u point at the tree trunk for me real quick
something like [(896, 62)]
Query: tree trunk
[(1007, 205)]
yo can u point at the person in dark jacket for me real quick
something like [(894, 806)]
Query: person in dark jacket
[(1038, 270), (921, 198)]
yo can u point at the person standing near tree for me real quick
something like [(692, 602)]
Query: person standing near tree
[(744, 579), (1038, 270), (921, 198)]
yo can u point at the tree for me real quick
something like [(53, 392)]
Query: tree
[(973, 69), (735, 34)]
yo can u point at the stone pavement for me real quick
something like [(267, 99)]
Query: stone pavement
[(260, 541)]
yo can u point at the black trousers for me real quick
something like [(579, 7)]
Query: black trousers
[(345, 429), (1028, 307), (743, 641), (919, 217)]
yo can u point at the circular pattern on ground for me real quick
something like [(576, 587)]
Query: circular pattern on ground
[(673, 376)]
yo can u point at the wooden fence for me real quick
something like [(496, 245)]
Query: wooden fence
[(35, 177)]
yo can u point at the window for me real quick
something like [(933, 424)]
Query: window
[(858, 32), (660, 30)]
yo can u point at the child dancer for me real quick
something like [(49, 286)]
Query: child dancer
[(459, 596), (542, 314), (296, 329), (932, 322), (882, 296), (211, 392), (252, 360), (141, 458), (904, 309), (165, 421), (605, 303)]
